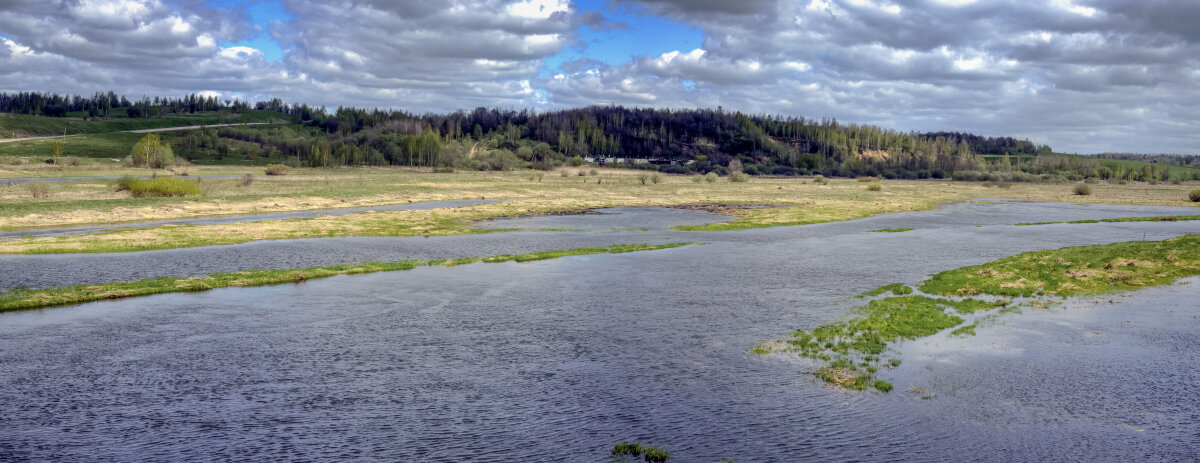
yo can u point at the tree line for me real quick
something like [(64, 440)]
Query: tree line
[(674, 141)]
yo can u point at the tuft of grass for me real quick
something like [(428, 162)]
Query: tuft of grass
[(881, 385), (890, 230), (38, 190), (710, 177), (739, 177), (1082, 189), (1194, 196), (874, 187), (965, 330), (24, 299)]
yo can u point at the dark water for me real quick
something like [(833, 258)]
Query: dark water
[(557, 360), (246, 218)]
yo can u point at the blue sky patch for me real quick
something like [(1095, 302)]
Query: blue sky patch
[(645, 34), (260, 15)]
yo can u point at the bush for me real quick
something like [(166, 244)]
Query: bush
[(159, 187), (697, 178), (563, 173), (739, 177), (820, 180), (1083, 189), (710, 177), (277, 169), (655, 178), (643, 178), (1194, 196), (246, 180), (874, 187)]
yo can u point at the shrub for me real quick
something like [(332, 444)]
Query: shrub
[(1083, 189), (820, 180), (277, 169), (739, 177), (577, 161), (124, 183), (592, 172), (563, 173), (697, 178), (159, 187), (643, 178), (246, 180), (710, 177), (1194, 196), (874, 187), (655, 178)]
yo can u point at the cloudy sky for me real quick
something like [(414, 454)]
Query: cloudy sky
[(1081, 75)]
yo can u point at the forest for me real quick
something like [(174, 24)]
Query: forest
[(673, 141)]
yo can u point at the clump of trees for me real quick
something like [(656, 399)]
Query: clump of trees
[(150, 152)]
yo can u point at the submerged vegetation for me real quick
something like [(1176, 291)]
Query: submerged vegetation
[(852, 350), (23, 299)]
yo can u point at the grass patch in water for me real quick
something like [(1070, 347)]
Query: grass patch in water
[(966, 330), (635, 450), (1071, 271), (898, 289), (890, 230), (1075, 271), (23, 299)]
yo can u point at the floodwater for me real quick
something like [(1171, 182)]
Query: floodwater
[(248, 218), (559, 359)]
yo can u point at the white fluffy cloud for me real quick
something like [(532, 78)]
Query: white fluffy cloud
[(1082, 75)]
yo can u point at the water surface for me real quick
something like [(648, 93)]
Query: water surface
[(559, 359)]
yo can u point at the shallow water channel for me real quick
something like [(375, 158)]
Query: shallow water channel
[(559, 359)]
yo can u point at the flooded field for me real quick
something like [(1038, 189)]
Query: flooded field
[(559, 359)]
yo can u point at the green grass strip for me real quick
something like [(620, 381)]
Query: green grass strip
[(1160, 218), (890, 230), (25, 299)]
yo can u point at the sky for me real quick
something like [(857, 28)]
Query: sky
[(1083, 76)]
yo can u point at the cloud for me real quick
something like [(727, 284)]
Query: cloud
[(1081, 75)]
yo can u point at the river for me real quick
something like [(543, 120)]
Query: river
[(560, 359)]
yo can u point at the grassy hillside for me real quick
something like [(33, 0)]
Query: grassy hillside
[(20, 125)]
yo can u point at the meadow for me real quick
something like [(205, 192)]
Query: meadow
[(759, 202)]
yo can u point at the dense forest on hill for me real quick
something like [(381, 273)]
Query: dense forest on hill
[(674, 141)]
